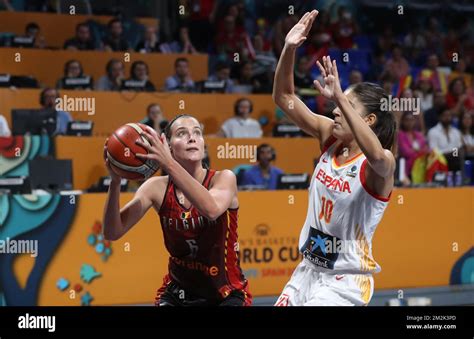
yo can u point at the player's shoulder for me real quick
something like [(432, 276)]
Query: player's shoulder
[(155, 184), (224, 175)]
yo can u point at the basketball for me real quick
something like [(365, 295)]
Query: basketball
[(121, 150)]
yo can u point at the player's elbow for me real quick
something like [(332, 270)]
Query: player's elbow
[(382, 165), (378, 158), (111, 234), (110, 237), (280, 99), (275, 96), (212, 217), (213, 213)]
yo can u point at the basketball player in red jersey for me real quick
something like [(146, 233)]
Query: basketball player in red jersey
[(198, 213)]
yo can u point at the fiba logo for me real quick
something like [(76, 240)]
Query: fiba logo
[(352, 171), (262, 230)]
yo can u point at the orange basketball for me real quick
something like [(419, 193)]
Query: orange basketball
[(121, 150)]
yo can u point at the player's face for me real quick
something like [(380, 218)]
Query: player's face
[(341, 129), (187, 142)]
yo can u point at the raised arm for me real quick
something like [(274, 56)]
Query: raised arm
[(380, 160), (118, 221), (284, 90), (210, 203)]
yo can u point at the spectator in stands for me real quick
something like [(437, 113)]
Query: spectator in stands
[(74, 77), (377, 68), (424, 91), (241, 125), (431, 115), (114, 41), (186, 46), (230, 40), (387, 83), (155, 118), (263, 174), (82, 41), (302, 76), (281, 29), (467, 132), (48, 98), (457, 99), (138, 80), (264, 59), (386, 40), (246, 81), (4, 130), (201, 19), (397, 66), (411, 143), (150, 42), (320, 39), (344, 29), (459, 71), (355, 77), (112, 81), (181, 81), (182, 44), (431, 70), (447, 139), (451, 46), (433, 37), (223, 74), (32, 30), (414, 44), (419, 116)]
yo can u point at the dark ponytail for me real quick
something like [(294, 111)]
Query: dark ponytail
[(371, 97)]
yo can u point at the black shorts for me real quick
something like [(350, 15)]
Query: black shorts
[(174, 295)]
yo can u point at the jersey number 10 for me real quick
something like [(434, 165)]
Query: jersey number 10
[(326, 209)]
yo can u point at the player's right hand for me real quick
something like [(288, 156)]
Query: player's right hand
[(114, 176), (298, 34)]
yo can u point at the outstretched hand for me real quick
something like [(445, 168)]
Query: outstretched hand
[(332, 86), (298, 34)]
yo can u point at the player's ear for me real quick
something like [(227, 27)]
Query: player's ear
[(371, 119)]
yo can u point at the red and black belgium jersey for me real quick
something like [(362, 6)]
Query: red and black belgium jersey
[(203, 253)]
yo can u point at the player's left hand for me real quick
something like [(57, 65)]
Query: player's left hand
[(332, 86), (158, 150)]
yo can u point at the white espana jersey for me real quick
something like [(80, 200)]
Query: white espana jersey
[(342, 215)]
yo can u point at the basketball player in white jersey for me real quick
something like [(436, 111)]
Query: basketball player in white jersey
[(350, 187)]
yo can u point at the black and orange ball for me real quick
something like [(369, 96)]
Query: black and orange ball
[(121, 150)]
